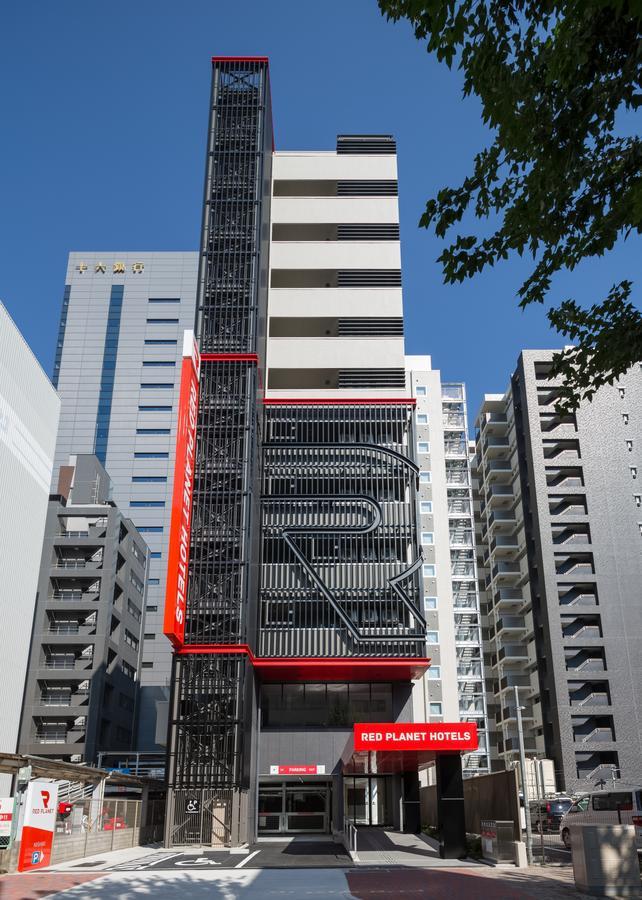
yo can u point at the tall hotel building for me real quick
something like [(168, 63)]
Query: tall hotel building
[(296, 606), (559, 518)]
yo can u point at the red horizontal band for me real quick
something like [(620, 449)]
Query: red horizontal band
[(313, 668), (319, 401), (229, 357)]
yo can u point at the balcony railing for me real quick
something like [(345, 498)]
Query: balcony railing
[(51, 737)]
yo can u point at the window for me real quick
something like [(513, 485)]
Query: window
[(625, 418), (420, 390), (160, 342), (629, 446), (153, 581), (427, 537), (131, 639), (634, 471), (149, 636), (146, 455), (151, 608), (150, 529), (325, 705), (622, 393), (129, 671), (432, 637), (435, 709), (149, 479), (422, 419), (153, 386), (434, 673), (611, 802), (159, 362), (147, 665), (423, 447), (638, 499), (136, 582), (426, 507), (164, 300), (152, 431), (155, 555), (429, 570), (430, 603), (151, 504), (425, 477), (162, 321), (154, 408), (133, 610)]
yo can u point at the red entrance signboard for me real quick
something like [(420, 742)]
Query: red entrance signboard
[(177, 557), (442, 736)]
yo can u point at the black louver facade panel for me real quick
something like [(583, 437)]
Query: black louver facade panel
[(368, 232), (339, 558), (207, 718), (366, 188), (379, 327), (366, 144), (372, 378), (369, 278)]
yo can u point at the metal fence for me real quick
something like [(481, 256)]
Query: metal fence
[(97, 826)]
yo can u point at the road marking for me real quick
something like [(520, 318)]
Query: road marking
[(246, 860), (199, 861)]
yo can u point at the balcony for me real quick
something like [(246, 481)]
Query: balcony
[(507, 598), (502, 518), (506, 570), (499, 470), (510, 681), (495, 446), (504, 543), (513, 653), (500, 495), (511, 624), (51, 737), (494, 421)]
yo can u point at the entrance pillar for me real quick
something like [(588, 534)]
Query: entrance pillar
[(451, 819), (411, 804)]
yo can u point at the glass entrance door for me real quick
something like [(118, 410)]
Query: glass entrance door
[(289, 808), (368, 799)]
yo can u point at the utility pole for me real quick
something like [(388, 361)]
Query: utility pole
[(522, 766)]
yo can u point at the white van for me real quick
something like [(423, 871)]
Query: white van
[(611, 807)]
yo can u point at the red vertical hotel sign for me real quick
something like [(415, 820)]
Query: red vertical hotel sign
[(180, 523)]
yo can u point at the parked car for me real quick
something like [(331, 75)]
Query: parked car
[(546, 815), (609, 807), (114, 823)]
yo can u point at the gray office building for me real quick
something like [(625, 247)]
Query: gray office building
[(81, 689), (117, 371), (559, 521)]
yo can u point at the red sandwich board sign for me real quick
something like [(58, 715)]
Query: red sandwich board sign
[(38, 826)]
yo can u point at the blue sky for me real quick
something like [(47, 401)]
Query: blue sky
[(104, 111)]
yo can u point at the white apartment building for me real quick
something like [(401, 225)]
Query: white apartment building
[(29, 410), (453, 688)]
